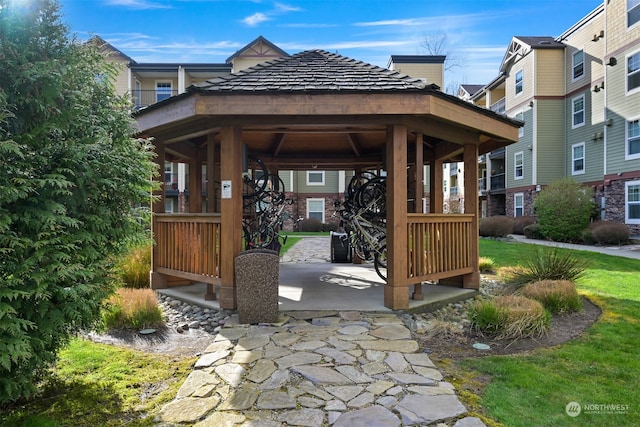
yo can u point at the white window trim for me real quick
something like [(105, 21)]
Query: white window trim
[(628, 156), (515, 206), (163, 81), (573, 159), (628, 220), (515, 164), (520, 116), (626, 17), (573, 66), (573, 111), (315, 183), (515, 83), (626, 75), (311, 200)]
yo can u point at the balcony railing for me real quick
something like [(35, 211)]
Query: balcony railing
[(482, 184), (187, 246), (439, 246), (499, 107), (144, 98), (497, 181)]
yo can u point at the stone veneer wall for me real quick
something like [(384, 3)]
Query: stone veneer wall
[(615, 203), (529, 197)]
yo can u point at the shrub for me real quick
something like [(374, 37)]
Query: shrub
[(486, 264), (132, 308), (609, 233), (510, 316), (533, 232), (557, 296), (133, 269), (71, 177), (330, 226), (564, 210), (310, 225), (496, 226), (548, 264), (587, 237), (520, 222)]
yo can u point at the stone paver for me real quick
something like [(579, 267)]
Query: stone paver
[(316, 368)]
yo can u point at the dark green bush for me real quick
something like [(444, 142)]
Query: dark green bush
[(564, 210), (70, 174), (609, 233), (330, 226), (310, 225), (520, 222), (533, 232), (496, 226)]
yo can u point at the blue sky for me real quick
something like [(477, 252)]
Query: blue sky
[(477, 33)]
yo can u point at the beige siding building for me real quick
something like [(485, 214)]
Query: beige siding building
[(579, 96)]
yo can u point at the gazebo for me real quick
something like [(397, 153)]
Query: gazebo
[(317, 109)]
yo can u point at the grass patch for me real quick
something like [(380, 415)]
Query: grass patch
[(510, 316), (292, 239), (557, 296), (100, 385), (599, 368), (132, 308)]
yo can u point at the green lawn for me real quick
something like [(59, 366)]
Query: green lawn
[(600, 368)]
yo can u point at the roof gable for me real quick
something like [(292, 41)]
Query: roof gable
[(260, 48), (313, 70), (522, 45)]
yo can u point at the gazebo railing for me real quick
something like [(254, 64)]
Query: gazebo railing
[(439, 246), (187, 246)]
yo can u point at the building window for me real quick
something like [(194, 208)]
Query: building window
[(633, 12), (519, 82), (578, 64), (633, 72), (315, 209), (633, 139), (518, 165), (315, 177), (577, 159), (163, 91), (518, 204), (577, 112), (632, 195), (168, 172), (520, 116)]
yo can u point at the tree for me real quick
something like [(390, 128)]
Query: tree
[(436, 44), (564, 210), (70, 176)]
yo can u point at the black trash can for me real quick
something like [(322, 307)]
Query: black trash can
[(340, 247)]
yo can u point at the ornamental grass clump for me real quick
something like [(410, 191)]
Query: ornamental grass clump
[(133, 269), (557, 296), (486, 264), (510, 317), (550, 263), (132, 308)]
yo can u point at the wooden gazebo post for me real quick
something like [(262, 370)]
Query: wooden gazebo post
[(470, 157), (231, 212), (396, 291), (418, 195)]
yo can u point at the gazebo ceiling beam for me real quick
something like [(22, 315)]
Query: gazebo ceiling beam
[(277, 143), (353, 142), (183, 150)]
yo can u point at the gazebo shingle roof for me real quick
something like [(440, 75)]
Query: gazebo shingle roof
[(313, 71)]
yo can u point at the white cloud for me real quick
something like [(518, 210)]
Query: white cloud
[(255, 19), (138, 4), (281, 7)]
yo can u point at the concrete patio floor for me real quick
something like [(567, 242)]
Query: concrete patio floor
[(327, 286)]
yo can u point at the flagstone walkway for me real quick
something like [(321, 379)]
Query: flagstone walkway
[(342, 369)]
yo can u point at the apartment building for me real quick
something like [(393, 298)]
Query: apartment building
[(314, 192), (579, 97)]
